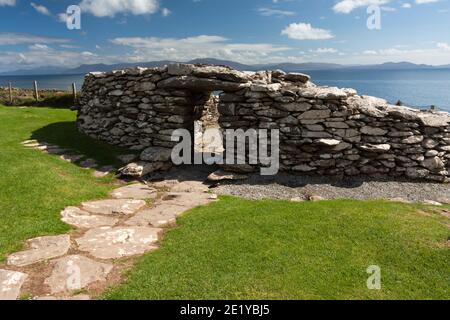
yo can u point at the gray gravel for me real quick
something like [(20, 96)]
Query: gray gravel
[(289, 186)]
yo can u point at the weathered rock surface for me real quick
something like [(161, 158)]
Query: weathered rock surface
[(41, 249), (115, 243), (10, 284), (188, 200), (163, 215), (156, 154), (80, 297), (141, 108), (137, 191), (222, 175), (297, 77), (114, 206), (76, 272), (85, 220), (141, 169)]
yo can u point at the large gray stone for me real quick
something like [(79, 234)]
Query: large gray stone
[(434, 164), (434, 119), (141, 169), (85, 220), (208, 71), (200, 84), (79, 297), (115, 206), (41, 249), (373, 131), (10, 284), (162, 215), (156, 154), (76, 272), (297, 77), (371, 106), (329, 142), (222, 175), (315, 114), (137, 191), (376, 148), (119, 242)]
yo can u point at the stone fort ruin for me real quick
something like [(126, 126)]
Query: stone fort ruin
[(323, 130)]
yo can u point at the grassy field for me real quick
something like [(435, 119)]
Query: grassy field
[(35, 187), (232, 249), (238, 249)]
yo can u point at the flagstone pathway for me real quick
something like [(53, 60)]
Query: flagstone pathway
[(131, 223)]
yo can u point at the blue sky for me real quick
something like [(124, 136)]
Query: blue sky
[(34, 33)]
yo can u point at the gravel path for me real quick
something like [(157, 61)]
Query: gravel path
[(288, 186)]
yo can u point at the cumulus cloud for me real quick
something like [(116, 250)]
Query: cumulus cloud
[(10, 3), (347, 6), (183, 49), (109, 8), (304, 31)]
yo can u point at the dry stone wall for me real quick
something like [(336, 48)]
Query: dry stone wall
[(323, 130)]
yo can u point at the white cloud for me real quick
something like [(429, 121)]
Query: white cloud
[(153, 48), (37, 46), (10, 3), (347, 6), (41, 9), (267, 12), (324, 50), (109, 8), (304, 31), (407, 6), (426, 1), (11, 38)]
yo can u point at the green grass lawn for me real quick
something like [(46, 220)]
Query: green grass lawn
[(232, 249), (238, 249), (35, 187)]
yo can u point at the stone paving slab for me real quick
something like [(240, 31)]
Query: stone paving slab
[(137, 191), (103, 171), (114, 206), (189, 186), (10, 284), (41, 249), (119, 242), (76, 272), (80, 297), (163, 215), (85, 220), (187, 200)]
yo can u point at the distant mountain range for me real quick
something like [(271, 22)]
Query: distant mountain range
[(288, 67)]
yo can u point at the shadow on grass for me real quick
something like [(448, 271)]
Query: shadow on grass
[(67, 136)]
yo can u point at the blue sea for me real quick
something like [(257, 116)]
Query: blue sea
[(416, 88)]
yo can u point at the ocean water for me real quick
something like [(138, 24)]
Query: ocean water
[(415, 88), (60, 82)]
